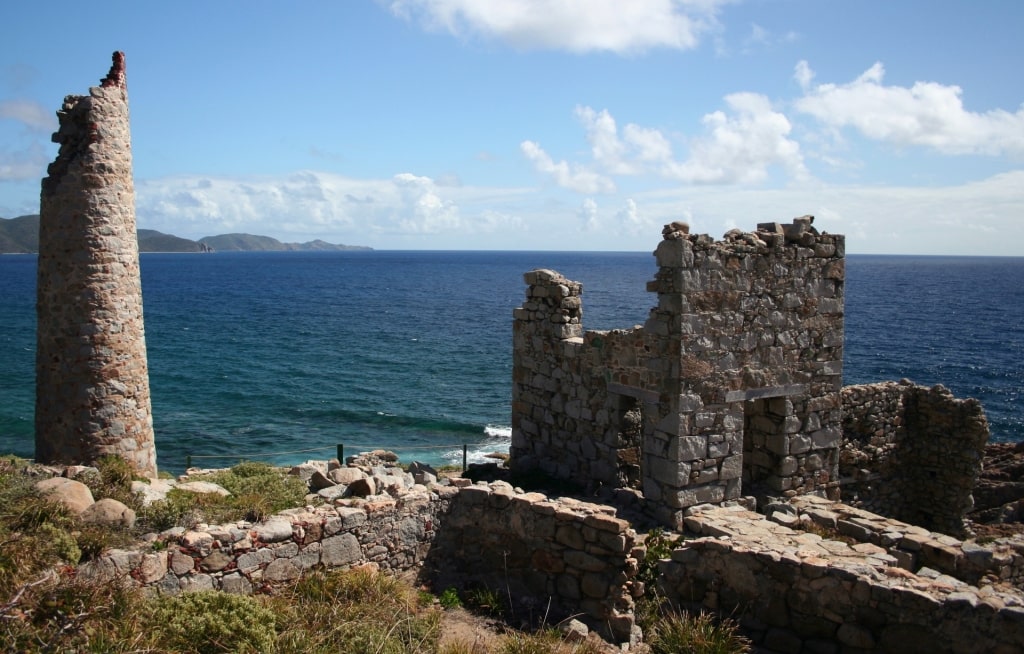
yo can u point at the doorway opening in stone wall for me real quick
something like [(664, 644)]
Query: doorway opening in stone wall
[(629, 442), (764, 445)]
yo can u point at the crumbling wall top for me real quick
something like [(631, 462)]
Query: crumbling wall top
[(116, 76)]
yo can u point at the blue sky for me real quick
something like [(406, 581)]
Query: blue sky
[(542, 124)]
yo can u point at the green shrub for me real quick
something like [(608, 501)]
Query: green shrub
[(64, 613), (356, 611), (257, 492), (659, 546), (206, 622), (178, 509), (35, 532), (449, 598), (485, 600), (696, 634), (55, 541), (112, 479)]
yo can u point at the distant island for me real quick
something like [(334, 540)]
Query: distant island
[(21, 236)]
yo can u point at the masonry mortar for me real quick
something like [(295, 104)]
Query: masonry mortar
[(92, 378)]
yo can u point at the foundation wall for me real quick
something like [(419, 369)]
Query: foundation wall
[(797, 592), (913, 453), (560, 557)]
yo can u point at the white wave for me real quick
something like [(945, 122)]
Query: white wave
[(498, 431)]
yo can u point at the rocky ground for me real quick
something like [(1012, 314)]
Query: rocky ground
[(999, 494)]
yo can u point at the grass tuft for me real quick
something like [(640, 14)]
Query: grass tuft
[(702, 633)]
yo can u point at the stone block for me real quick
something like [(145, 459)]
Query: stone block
[(340, 550), (732, 467), (236, 583), (688, 448), (674, 474), (274, 530)]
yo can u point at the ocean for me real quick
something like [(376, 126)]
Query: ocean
[(282, 356)]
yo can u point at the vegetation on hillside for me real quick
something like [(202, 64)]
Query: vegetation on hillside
[(46, 607)]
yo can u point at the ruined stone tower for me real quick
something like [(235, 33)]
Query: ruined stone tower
[(92, 378), (731, 387)]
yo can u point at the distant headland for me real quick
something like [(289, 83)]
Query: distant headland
[(21, 236)]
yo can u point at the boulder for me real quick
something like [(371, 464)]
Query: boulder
[(305, 471), (422, 473), (345, 475), (110, 513), (418, 466), (73, 494), (203, 487), (364, 487), (319, 481), (333, 492), (153, 490)]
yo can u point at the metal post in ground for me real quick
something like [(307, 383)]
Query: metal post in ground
[(464, 457), (341, 453)]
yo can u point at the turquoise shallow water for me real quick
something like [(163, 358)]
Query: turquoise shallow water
[(253, 353)]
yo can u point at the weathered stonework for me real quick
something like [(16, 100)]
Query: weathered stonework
[(878, 585), (911, 452), (795, 591), (562, 557), (92, 379), (733, 381)]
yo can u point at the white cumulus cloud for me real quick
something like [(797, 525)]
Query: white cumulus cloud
[(426, 211), (927, 114), (741, 145), (630, 154), (31, 114), (573, 25), (571, 176), (23, 164), (588, 215), (738, 146), (399, 211)]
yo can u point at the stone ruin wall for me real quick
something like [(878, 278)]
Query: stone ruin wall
[(560, 556), (794, 591), (92, 379), (891, 586), (913, 453), (731, 386)]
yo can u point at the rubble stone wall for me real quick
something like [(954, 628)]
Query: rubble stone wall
[(561, 555), (911, 452), (92, 377), (733, 381), (797, 592)]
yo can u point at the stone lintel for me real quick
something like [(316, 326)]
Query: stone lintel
[(767, 391), (644, 395)]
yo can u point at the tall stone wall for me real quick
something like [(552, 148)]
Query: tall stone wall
[(92, 379), (911, 452), (734, 379)]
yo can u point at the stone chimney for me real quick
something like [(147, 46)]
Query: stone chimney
[(92, 378)]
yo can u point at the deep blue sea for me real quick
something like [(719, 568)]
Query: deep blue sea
[(261, 355)]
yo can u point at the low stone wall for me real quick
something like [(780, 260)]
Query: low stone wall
[(911, 547), (797, 592), (911, 452), (561, 555), (575, 557), (389, 534)]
